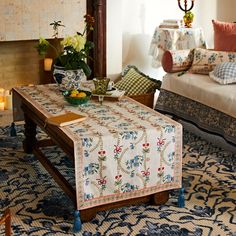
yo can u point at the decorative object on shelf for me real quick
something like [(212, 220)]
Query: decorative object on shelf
[(2, 91), (5, 99), (48, 64), (101, 85), (55, 26), (188, 16), (72, 57), (1, 106)]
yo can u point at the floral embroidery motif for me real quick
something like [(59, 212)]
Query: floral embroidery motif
[(102, 155), (121, 146), (202, 115), (204, 60)]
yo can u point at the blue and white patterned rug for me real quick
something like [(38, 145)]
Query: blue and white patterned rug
[(39, 207)]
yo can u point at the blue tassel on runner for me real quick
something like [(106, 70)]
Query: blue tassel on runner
[(181, 200), (12, 130), (77, 223)]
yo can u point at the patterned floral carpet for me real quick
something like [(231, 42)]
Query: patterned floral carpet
[(39, 207)]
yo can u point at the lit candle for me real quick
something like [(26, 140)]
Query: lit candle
[(1, 106), (8, 102), (47, 64), (2, 94)]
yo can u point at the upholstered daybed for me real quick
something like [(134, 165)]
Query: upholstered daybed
[(200, 84), (198, 99)]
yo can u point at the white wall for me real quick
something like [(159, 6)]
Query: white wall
[(114, 38), (220, 10), (140, 18), (131, 24), (139, 26)]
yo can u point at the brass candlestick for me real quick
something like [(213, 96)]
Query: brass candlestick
[(185, 9), (188, 16)]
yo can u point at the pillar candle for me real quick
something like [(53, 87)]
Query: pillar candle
[(47, 64), (2, 94), (8, 102), (1, 106)]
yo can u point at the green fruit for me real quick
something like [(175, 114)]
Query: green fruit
[(189, 15)]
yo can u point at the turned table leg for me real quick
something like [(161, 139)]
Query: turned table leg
[(30, 135), (160, 198), (88, 214)]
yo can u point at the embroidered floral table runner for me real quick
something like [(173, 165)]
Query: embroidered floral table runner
[(122, 150)]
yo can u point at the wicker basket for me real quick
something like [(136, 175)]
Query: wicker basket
[(146, 99)]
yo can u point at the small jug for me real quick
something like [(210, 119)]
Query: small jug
[(101, 84)]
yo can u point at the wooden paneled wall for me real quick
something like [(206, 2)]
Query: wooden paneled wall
[(20, 64)]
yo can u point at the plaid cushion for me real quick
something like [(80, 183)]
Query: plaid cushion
[(134, 82), (224, 73)]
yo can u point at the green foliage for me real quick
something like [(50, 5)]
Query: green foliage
[(76, 48), (42, 46), (189, 15), (55, 26)]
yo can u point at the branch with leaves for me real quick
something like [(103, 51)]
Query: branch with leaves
[(75, 48)]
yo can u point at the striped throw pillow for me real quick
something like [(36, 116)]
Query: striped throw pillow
[(134, 82)]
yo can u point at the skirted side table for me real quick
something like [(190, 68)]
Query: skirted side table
[(172, 39)]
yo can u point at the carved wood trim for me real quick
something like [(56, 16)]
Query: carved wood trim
[(97, 9)]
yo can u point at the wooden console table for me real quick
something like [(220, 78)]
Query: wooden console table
[(123, 153)]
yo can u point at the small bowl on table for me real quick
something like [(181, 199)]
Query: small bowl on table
[(77, 97)]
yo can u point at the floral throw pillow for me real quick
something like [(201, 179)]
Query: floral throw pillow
[(134, 82), (205, 60), (224, 73), (177, 60)]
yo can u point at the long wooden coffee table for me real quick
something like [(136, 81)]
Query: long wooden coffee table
[(150, 183)]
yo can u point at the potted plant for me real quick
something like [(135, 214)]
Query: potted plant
[(70, 64)]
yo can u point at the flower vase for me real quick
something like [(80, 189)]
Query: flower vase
[(68, 79)]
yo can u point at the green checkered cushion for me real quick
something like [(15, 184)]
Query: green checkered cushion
[(134, 82)]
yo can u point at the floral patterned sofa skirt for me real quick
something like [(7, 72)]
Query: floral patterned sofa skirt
[(205, 117)]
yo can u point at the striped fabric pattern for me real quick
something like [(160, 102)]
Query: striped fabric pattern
[(134, 82), (224, 73)]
